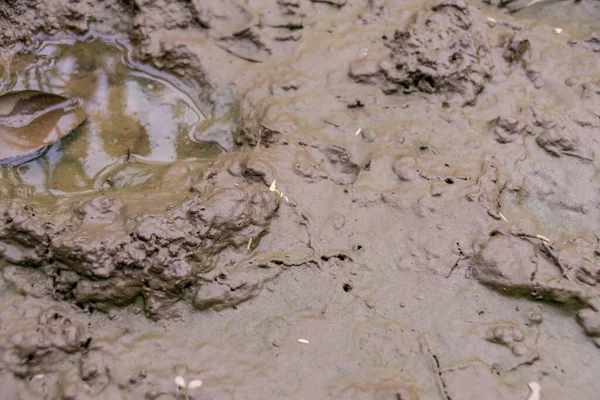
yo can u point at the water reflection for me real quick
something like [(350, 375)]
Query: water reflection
[(130, 112)]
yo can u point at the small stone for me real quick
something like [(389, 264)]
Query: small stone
[(534, 318), (368, 135), (519, 349)]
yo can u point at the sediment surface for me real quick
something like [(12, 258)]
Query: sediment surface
[(411, 187)]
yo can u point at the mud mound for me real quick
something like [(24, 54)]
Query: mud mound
[(103, 256), (445, 51), (39, 344), (516, 266)]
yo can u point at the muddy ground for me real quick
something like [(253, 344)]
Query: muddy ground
[(433, 232)]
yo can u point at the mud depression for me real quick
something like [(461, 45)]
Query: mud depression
[(299, 199)]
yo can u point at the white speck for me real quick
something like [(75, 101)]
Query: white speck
[(195, 384), (303, 341), (491, 19), (249, 244), (535, 391), (180, 382), (502, 216), (273, 188), (39, 376), (358, 132), (558, 31)]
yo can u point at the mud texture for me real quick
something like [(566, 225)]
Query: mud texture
[(410, 187)]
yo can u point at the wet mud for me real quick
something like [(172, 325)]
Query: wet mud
[(304, 199)]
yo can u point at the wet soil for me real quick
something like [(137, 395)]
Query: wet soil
[(411, 188)]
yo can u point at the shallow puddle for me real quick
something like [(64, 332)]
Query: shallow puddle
[(137, 122)]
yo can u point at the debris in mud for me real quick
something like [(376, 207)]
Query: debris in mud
[(31, 120), (273, 188), (183, 385), (445, 52)]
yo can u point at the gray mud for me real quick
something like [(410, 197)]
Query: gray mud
[(433, 232)]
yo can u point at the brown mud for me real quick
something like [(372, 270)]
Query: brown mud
[(433, 232)]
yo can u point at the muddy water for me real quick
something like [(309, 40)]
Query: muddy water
[(413, 193), (131, 115)]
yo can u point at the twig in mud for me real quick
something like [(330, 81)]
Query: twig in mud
[(331, 123), (460, 257), (531, 236), (436, 368), (454, 267), (458, 367), (273, 188), (502, 216), (529, 361), (547, 249), (128, 155)]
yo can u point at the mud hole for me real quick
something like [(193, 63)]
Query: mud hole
[(411, 187)]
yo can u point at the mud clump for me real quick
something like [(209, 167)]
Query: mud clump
[(513, 265), (102, 256), (560, 141), (444, 52), (507, 130)]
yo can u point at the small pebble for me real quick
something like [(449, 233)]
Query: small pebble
[(534, 318), (519, 349)]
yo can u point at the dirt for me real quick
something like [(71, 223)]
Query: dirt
[(409, 188)]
